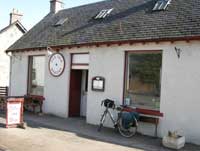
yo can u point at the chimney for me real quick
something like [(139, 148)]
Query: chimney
[(56, 5), (15, 16)]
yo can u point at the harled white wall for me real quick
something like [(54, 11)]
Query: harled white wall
[(7, 38), (180, 84), (57, 89)]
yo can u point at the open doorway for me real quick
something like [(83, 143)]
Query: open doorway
[(84, 93), (78, 93)]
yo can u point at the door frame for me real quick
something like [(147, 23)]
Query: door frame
[(71, 64), (84, 93)]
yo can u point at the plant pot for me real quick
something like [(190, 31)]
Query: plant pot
[(174, 143)]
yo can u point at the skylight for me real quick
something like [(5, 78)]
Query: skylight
[(61, 22), (161, 4), (103, 13)]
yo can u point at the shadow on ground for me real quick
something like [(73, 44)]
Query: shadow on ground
[(79, 127)]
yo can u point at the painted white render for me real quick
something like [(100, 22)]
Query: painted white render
[(7, 38), (180, 84)]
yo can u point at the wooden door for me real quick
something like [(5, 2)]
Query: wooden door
[(75, 93)]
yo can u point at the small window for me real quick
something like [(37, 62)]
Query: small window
[(36, 75), (104, 13), (143, 76), (61, 22), (161, 5), (86, 81)]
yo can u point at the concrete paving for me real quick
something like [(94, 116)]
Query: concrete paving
[(49, 133)]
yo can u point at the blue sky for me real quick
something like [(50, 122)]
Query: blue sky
[(33, 10)]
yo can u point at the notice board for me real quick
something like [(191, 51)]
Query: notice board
[(14, 112)]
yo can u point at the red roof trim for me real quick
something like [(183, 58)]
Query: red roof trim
[(108, 43)]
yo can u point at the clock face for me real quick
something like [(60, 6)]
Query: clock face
[(56, 64)]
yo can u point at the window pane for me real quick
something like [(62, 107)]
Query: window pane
[(143, 80), (36, 73)]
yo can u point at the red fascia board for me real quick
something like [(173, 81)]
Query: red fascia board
[(173, 39)]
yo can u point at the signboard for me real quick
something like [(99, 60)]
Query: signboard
[(98, 84), (14, 112)]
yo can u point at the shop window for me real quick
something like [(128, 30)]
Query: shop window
[(143, 76), (36, 75)]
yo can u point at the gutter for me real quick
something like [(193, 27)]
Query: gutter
[(108, 43)]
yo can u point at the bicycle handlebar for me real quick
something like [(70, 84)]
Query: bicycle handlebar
[(111, 104)]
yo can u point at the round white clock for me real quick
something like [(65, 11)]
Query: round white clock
[(56, 64)]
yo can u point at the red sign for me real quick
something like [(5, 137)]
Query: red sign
[(14, 113)]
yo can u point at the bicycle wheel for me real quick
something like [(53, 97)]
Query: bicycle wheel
[(102, 121), (100, 127), (127, 132)]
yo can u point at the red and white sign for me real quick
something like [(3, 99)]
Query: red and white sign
[(14, 112)]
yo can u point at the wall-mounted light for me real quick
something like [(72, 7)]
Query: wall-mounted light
[(49, 51), (178, 52), (10, 54)]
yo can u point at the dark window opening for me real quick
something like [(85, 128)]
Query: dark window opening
[(36, 75), (143, 77), (86, 82)]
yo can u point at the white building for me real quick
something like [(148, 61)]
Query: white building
[(146, 52), (8, 36)]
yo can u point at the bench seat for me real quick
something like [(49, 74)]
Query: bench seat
[(3, 95), (147, 116)]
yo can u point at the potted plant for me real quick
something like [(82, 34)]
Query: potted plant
[(173, 140)]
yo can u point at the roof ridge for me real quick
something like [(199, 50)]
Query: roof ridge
[(84, 5)]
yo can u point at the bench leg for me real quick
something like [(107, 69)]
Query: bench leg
[(156, 128), (33, 108), (40, 109)]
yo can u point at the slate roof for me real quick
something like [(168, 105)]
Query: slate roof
[(130, 20)]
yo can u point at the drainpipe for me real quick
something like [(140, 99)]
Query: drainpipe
[(10, 73)]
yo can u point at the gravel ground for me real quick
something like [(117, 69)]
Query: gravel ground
[(49, 133)]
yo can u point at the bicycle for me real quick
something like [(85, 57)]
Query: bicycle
[(125, 126)]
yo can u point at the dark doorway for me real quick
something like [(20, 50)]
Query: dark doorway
[(75, 93)]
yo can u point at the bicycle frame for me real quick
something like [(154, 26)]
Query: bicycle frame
[(107, 111), (126, 132)]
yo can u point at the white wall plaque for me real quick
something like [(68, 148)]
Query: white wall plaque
[(98, 83)]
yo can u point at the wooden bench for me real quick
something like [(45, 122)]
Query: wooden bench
[(33, 101), (148, 116), (3, 95)]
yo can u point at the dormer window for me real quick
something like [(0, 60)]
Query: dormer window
[(161, 5), (103, 13), (61, 22)]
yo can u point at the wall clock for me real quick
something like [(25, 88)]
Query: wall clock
[(56, 64)]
